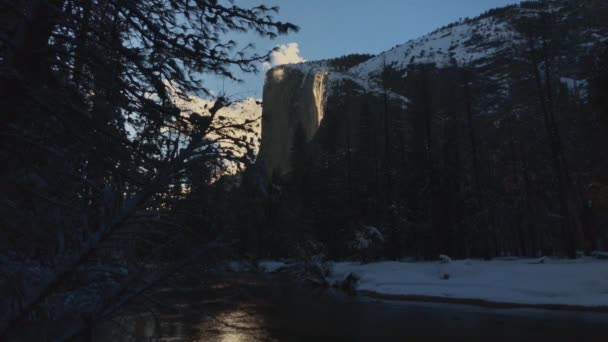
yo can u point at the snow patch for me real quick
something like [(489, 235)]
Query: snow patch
[(581, 282), (461, 44), (271, 265)]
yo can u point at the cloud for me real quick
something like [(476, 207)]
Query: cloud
[(286, 54)]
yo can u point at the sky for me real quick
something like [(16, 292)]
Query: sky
[(333, 28)]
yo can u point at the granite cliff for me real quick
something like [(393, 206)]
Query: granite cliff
[(480, 138)]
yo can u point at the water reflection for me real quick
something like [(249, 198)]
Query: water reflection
[(274, 311), (234, 326)]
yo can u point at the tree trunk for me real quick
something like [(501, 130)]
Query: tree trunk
[(558, 161)]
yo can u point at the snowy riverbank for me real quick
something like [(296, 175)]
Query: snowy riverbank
[(581, 282)]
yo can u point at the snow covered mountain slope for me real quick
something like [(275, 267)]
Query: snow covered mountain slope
[(448, 46), (499, 33), (489, 120), (236, 129), (495, 48)]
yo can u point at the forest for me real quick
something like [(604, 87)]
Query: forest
[(106, 184), (109, 187), (503, 156)]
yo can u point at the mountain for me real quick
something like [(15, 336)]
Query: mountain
[(477, 139), (498, 34), (236, 130)]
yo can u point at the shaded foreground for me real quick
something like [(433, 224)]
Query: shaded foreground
[(249, 307)]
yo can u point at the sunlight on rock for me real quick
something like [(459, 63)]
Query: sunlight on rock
[(319, 94), (278, 74)]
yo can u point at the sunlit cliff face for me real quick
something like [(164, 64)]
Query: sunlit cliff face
[(319, 94), (278, 74), (318, 89)]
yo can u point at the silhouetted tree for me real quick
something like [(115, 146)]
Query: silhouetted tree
[(97, 154)]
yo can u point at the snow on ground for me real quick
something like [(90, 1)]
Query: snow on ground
[(582, 282), (268, 266), (271, 265)]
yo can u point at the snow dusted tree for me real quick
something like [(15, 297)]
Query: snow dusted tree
[(94, 148)]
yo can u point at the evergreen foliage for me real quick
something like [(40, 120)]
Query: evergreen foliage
[(100, 166)]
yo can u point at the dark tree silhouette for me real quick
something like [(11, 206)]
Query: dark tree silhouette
[(97, 154)]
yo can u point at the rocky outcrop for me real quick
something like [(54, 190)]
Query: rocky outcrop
[(292, 97), (475, 139), (306, 95), (493, 47)]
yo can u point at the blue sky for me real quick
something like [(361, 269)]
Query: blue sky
[(332, 28)]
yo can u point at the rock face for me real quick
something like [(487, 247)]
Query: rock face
[(491, 47), (292, 97), (316, 97), (479, 138)]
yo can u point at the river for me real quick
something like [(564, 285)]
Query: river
[(252, 308)]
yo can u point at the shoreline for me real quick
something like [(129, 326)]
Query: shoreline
[(479, 302)]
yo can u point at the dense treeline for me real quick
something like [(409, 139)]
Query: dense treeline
[(345, 62), (100, 169), (108, 186), (505, 157)]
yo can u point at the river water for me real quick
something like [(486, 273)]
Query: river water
[(252, 308)]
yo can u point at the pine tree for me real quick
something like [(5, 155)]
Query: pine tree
[(92, 140), (540, 33)]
